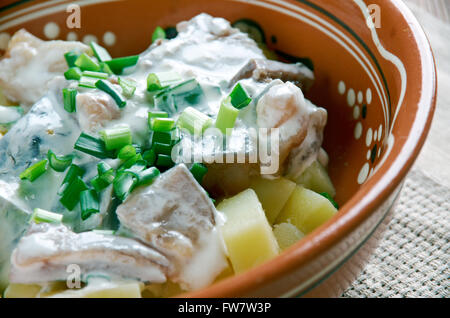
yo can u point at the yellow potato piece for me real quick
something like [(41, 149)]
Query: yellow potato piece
[(247, 234), (164, 290), (316, 179), (287, 235), (273, 194), (306, 210), (21, 291)]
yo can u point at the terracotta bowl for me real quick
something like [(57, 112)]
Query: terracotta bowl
[(377, 81)]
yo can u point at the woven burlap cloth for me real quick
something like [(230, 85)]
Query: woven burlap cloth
[(412, 259)]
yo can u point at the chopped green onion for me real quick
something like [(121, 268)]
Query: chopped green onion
[(194, 121), (71, 57), (148, 176), (163, 137), (87, 81), (164, 161), (93, 146), (116, 138), (326, 195), (171, 32), (118, 64), (158, 81), (159, 33), (126, 152), (43, 216), (149, 156), (123, 184), (156, 114), (139, 166), (73, 172), (199, 170), (103, 167), (59, 164), (89, 203), (100, 52), (98, 75), (162, 124), (160, 148), (73, 73), (71, 194), (102, 181), (105, 68), (128, 86), (130, 162), (104, 232), (86, 63), (70, 99), (226, 118), (239, 97), (108, 88), (35, 171)]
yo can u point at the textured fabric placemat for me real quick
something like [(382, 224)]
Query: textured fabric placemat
[(412, 259)]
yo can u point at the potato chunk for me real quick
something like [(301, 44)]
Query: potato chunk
[(316, 178), (306, 210), (246, 232), (287, 235), (273, 194)]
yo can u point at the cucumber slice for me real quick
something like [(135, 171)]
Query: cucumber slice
[(252, 28)]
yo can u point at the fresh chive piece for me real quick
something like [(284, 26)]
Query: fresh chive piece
[(158, 81), (163, 137), (118, 64), (98, 75), (108, 88), (199, 170), (149, 175), (104, 68), (71, 57), (71, 194), (149, 156), (156, 114), (194, 121), (123, 184), (164, 161), (239, 97), (162, 124), (226, 118), (70, 99), (326, 195), (159, 33), (87, 81), (59, 164), (35, 171), (128, 86), (86, 63), (138, 167), (44, 216), (116, 138), (160, 148), (103, 167), (130, 162), (89, 203), (100, 52), (73, 172), (93, 146), (73, 73), (102, 181), (126, 152)]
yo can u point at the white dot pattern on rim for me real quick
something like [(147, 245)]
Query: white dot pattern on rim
[(369, 137), (109, 38), (88, 38), (351, 97), (341, 88), (72, 36), (356, 112), (363, 173), (358, 130), (360, 97), (51, 30), (369, 96)]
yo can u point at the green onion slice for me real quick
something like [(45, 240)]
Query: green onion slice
[(126, 152), (199, 170), (44, 216), (226, 118), (71, 57), (102, 181), (162, 124), (118, 64), (128, 86), (158, 81), (71, 194), (164, 161), (116, 138), (35, 171), (161, 148), (70, 99), (86, 63), (123, 184), (159, 33), (194, 121), (149, 156), (108, 88), (98, 75), (73, 172), (89, 203), (59, 164), (239, 97), (149, 175), (87, 82), (100, 52), (93, 146), (73, 73)]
